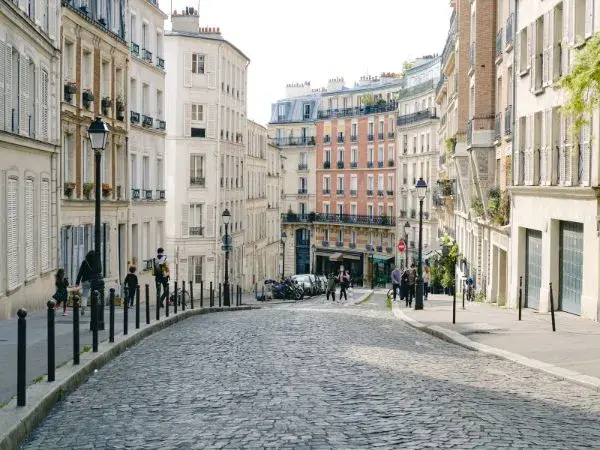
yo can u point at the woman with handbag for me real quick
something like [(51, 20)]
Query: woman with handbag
[(88, 271)]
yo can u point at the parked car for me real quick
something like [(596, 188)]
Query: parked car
[(307, 282)]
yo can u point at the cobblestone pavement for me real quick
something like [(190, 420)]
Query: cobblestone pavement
[(316, 375)]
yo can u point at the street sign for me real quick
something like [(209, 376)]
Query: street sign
[(401, 246), (227, 239)]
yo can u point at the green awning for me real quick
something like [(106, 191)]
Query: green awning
[(382, 257)]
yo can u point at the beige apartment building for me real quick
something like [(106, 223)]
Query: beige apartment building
[(95, 69), (274, 184)]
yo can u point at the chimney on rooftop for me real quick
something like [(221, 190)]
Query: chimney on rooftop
[(187, 21)]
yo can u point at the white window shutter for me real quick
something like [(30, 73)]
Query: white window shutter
[(210, 221), (187, 119), (2, 75), (45, 225), (29, 234), (43, 101), (12, 233), (550, 61), (52, 19), (529, 44), (185, 220), (24, 94), (8, 88), (532, 56), (211, 122), (589, 18), (211, 71), (545, 49), (187, 69)]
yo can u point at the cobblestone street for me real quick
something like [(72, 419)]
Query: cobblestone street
[(316, 375)]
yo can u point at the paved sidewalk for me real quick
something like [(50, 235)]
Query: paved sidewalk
[(571, 351)]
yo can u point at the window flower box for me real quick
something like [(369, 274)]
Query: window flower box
[(106, 190), (68, 189), (87, 97), (87, 190)]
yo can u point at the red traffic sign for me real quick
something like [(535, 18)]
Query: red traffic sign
[(401, 246)]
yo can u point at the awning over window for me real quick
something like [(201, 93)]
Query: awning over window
[(382, 257)]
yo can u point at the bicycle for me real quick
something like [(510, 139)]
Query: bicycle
[(180, 295)]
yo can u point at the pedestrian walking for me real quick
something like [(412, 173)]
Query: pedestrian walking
[(131, 284), (330, 287), (61, 295), (426, 279), (411, 278), (344, 280), (396, 280), (89, 270), (160, 270)]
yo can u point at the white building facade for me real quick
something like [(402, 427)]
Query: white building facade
[(147, 133), (206, 138), (274, 183), (30, 87), (554, 217)]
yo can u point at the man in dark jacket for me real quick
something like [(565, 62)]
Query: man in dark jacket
[(161, 276)]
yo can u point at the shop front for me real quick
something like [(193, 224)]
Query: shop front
[(330, 261)]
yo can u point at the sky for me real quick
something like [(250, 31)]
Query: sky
[(314, 40)]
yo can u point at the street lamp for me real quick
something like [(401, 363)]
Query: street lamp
[(421, 188), (406, 230), (226, 216), (97, 134), (283, 237)]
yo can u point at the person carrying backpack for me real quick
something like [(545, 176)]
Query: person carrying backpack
[(412, 277), (161, 275)]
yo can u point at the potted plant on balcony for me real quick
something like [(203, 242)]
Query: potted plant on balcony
[(312, 216), (68, 189), (106, 190), (291, 215), (70, 89), (87, 190), (106, 103), (381, 103), (87, 97)]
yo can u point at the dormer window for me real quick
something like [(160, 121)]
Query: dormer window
[(306, 110)]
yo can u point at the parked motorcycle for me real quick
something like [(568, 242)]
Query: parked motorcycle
[(287, 289)]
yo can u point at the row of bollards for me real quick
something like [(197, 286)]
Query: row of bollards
[(179, 298)]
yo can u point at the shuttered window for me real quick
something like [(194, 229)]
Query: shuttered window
[(12, 233), (44, 105), (29, 235), (45, 225)]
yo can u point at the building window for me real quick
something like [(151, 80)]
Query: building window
[(340, 154), (353, 237), (197, 113), (340, 183), (195, 269), (306, 115), (370, 155), (524, 57), (197, 170), (369, 182), (197, 63), (12, 233), (195, 220), (340, 208), (327, 156), (380, 156)]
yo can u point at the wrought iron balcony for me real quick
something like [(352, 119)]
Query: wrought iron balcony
[(425, 215), (147, 121), (161, 194), (340, 164), (135, 194), (302, 166), (499, 43), (340, 138), (380, 164), (358, 111), (161, 124), (419, 116), (390, 163), (402, 213), (353, 192), (339, 192), (326, 164), (196, 231), (390, 192), (389, 249), (354, 165), (379, 248), (418, 89), (326, 191), (498, 127), (380, 192), (370, 137), (134, 117), (302, 191), (469, 132), (198, 181), (508, 120), (292, 141), (380, 136), (354, 138), (135, 49), (147, 194), (326, 138), (339, 218), (509, 29), (325, 243), (352, 245), (370, 192), (160, 62), (369, 247), (391, 135), (413, 214), (369, 164), (339, 244), (147, 55)]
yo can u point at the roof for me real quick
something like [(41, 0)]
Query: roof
[(369, 87), (212, 37), (293, 112)]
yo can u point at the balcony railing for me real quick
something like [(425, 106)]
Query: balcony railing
[(326, 191), (390, 192), (508, 120), (509, 29), (391, 135), (161, 194), (448, 47), (389, 249), (469, 132), (302, 191), (354, 165), (293, 141), (340, 164), (369, 164), (134, 117), (380, 192), (339, 192), (302, 166), (390, 163), (352, 245), (135, 194), (358, 111), (379, 248), (326, 164), (147, 121), (196, 231), (380, 136), (147, 194), (340, 138), (402, 213), (135, 49), (353, 192), (326, 138), (339, 244), (380, 164), (160, 62), (498, 127), (440, 84), (425, 114), (354, 138), (147, 55), (370, 192), (370, 137), (499, 47), (339, 218), (161, 124), (418, 89), (198, 181), (325, 243)]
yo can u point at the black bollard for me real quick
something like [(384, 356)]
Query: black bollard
[(211, 295), (21, 356), (51, 336), (94, 321), (263, 293), (238, 296), (76, 329), (219, 295), (201, 294), (137, 307), (176, 296), (454, 305), (232, 299), (552, 308), (167, 301), (147, 304), (463, 299), (520, 296), (183, 295), (157, 305), (111, 315), (126, 316), (191, 295)]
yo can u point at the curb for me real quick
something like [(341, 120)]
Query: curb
[(454, 337), (17, 423), (359, 299)]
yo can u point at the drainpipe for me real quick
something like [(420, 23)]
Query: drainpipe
[(513, 244)]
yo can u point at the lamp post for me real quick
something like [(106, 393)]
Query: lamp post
[(97, 134), (314, 259), (406, 230), (421, 187), (283, 237), (371, 255), (226, 216)]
